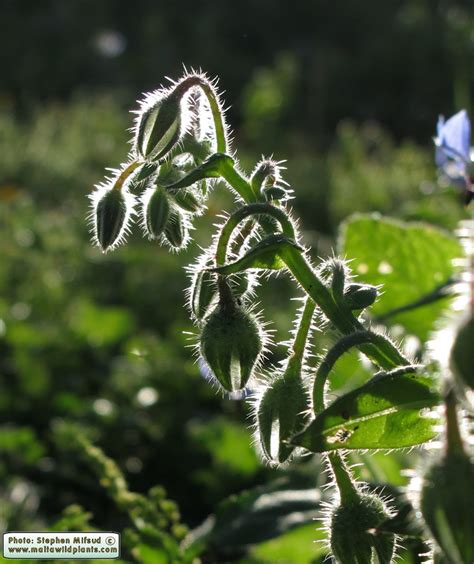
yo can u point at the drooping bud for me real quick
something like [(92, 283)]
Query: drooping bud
[(462, 354), (176, 230), (159, 127), (447, 499), (112, 209), (275, 194), (447, 494), (187, 200), (353, 531), (156, 211), (163, 119), (360, 296), (231, 344), (281, 414)]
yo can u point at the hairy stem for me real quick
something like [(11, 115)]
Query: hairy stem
[(241, 214), (347, 488), (301, 337), (341, 347), (126, 172), (383, 353)]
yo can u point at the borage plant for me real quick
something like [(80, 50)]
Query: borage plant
[(181, 150)]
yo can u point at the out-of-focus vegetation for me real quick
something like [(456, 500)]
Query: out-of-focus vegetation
[(100, 341)]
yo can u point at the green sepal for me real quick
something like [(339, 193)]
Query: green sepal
[(231, 344), (447, 500), (275, 193), (266, 255), (175, 230), (159, 128), (360, 296), (156, 213), (203, 293), (385, 413), (281, 412), (111, 213), (187, 200)]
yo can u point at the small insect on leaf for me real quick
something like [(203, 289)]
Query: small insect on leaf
[(385, 413)]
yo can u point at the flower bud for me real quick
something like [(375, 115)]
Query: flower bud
[(159, 126), (447, 501), (280, 415), (187, 200), (360, 296), (156, 211), (353, 535), (275, 193), (112, 211), (231, 344), (176, 230), (462, 354)]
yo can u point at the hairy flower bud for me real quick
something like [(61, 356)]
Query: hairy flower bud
[(360, 296), (176, 230), (188, 200), (280, 415), (353, 535), (156, 211), (462, 354), (112, 209), (275, 193), (447, 501), (231, 344)]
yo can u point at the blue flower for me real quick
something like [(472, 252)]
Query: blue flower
[(453, 150)]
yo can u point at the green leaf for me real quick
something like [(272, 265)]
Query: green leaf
[(410, 260), (385, 413), (254, 516), (266, 254), (305, 545)]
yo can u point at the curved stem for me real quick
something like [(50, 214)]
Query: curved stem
[(240, 215), (383, 353), (239, 183), (301, 337), (347, 488), (126, 172), (217, 115), (341, 347)]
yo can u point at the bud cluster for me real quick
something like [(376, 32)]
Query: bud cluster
[(179, 149)]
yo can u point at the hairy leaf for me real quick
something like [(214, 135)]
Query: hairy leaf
[(385, 413), (266, 254), (410, 260)]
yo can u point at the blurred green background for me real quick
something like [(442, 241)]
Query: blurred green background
[(347, 92)]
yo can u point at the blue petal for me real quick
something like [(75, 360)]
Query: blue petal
[(454, 136)]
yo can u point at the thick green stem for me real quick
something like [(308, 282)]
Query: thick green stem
[(347, 488), (239, 183), (217, 116), (454, 444), (299, 344), (384, 353), (341, 347), (240, 215)]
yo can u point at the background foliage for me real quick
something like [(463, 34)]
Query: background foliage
[(349, 96)]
